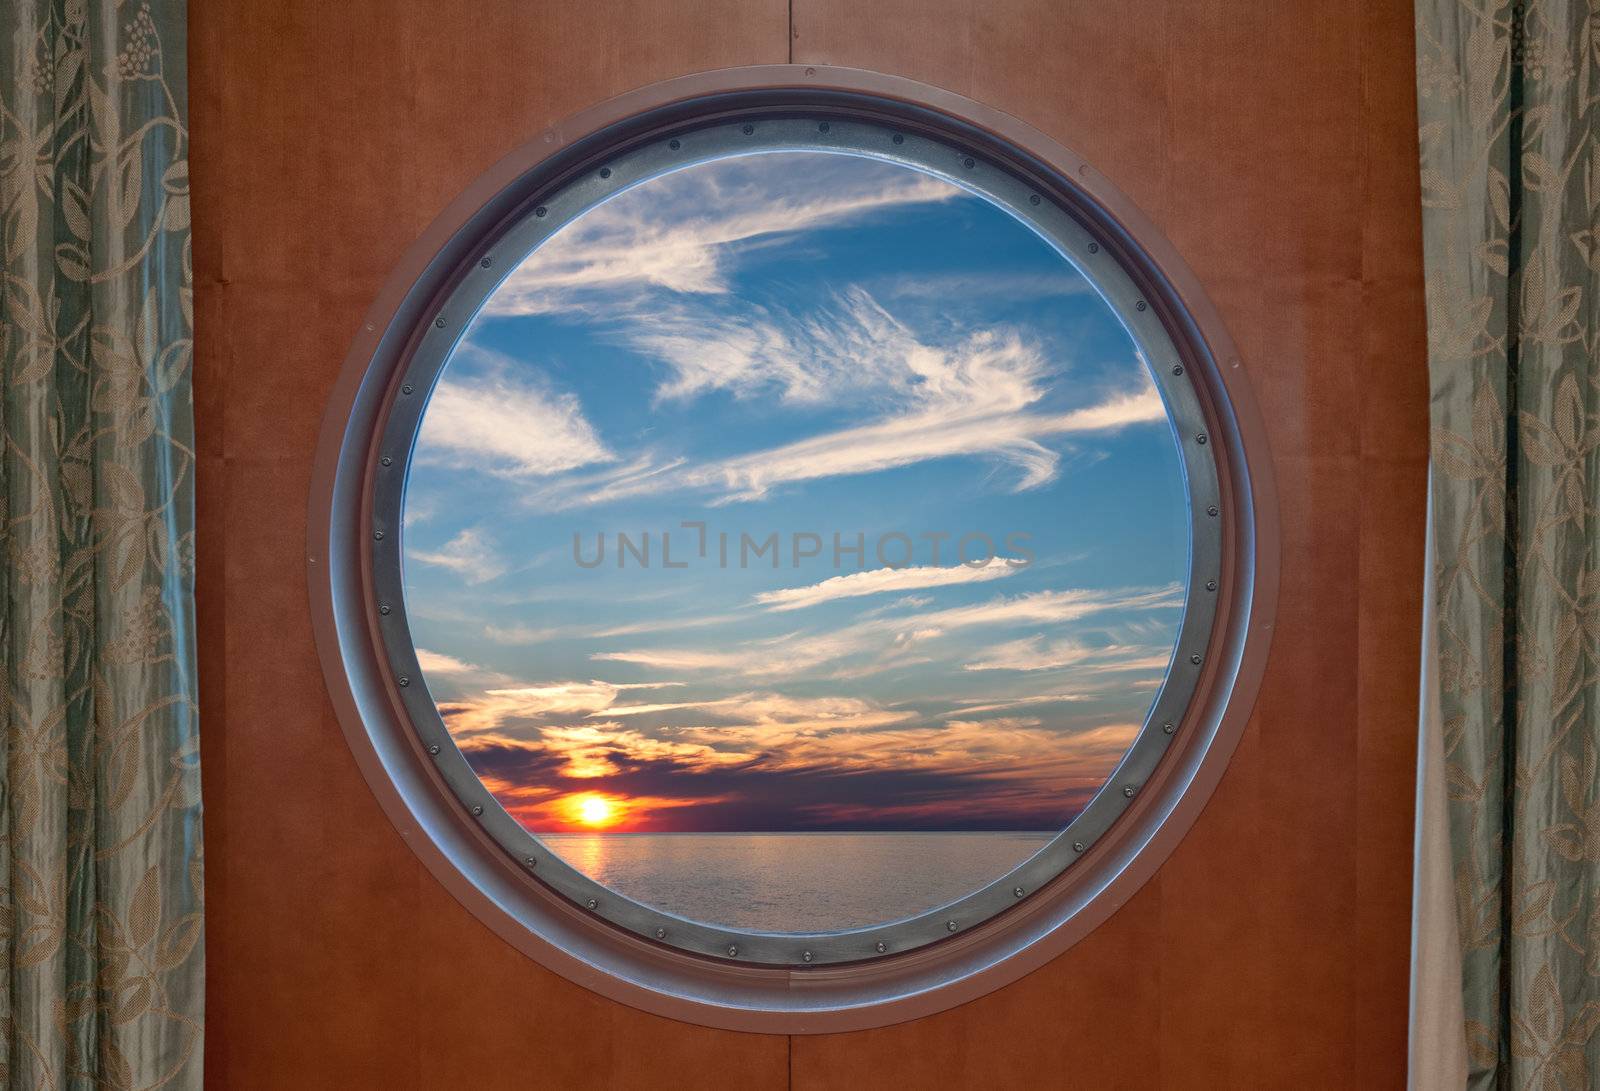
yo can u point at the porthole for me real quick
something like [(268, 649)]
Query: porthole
[(791, 556)]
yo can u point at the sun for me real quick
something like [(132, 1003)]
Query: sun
[(594, 810)]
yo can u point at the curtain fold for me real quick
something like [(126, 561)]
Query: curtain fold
[(1507, 100), (1437, 1045), (100, 878)]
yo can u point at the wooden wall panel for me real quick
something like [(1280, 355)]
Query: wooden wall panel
[(326, 135), (1275, 145)]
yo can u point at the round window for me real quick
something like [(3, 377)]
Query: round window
[(793, 529)]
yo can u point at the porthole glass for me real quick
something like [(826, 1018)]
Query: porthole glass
[(801, 528)]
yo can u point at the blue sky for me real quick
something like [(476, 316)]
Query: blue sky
[(801, 345)]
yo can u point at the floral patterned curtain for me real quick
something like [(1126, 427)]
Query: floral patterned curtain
[(1509, 100), (100, 870)]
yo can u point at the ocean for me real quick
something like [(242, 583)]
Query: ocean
[(795, 882)]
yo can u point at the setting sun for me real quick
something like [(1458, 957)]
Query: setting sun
[(593, 810)]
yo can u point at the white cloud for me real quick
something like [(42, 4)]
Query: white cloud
[(770, 709), (470, 555), (848, 347), (486, 711), (880, 580), (988, 285), (867, 738), (506, 424), (974, 397), (1050, 607), (1038, 654), (696, 621), (659, 256), (745, 661), (679, 232), (1132, 407), (520, 634), (438, 663), (878, 641), (949, 430), (649, 709), (972, 708)]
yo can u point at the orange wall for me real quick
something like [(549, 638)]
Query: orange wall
[(1274, 144)]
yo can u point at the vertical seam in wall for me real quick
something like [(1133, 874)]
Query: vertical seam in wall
[(789, 42)]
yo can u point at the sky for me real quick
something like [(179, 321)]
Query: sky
[(795, 491)]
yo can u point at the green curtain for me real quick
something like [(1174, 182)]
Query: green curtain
[(1509, 100), (100, 877)]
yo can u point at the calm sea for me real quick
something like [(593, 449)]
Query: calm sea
[(795, 882)]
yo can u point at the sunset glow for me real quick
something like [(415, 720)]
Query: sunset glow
[(595, 811)]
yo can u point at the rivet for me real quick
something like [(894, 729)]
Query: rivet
[(530, 861), (733, 950), (674, 144), (540, 211), (967, 162), (951, 926), (377, 535), (898, 139), (1168, 728), (433, 748), (593, 904), (1211, 585), (1018, 891), (1195, 659), (439, 322), (605, 172), (748, 129), (486, 262), (1034, 199), (477, 809), (1200, 439), (880, 946), (1139, 306), (404, 681), (1128, 791), (1211, 509), (823, 127), (406, 389), (386, 460), (661, 933), (1177, 369), (1094, 248), (805, 956), (383, 608), (1077, 846)]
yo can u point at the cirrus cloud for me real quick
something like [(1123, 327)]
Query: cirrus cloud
[(880, 580)]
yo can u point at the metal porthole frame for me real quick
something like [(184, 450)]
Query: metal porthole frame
[(782, 981)]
